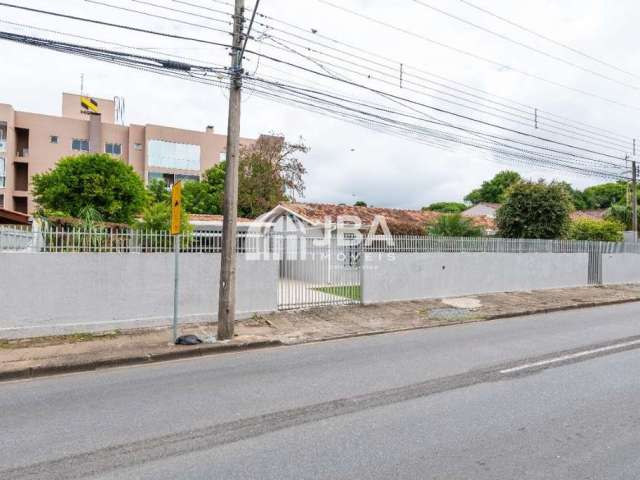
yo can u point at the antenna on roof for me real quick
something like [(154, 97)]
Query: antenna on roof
[(120, 109)]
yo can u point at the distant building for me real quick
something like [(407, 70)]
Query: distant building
[(32, 143), (482, 210)]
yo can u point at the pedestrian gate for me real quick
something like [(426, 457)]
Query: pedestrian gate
[(316, 273)]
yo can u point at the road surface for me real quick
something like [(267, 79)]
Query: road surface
[(552, 396)]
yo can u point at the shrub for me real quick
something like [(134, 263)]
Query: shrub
[(454, 225), (99, 181), (446, 207), (596, 230), (535, 210)]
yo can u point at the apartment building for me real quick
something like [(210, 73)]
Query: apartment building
[(32, 143)]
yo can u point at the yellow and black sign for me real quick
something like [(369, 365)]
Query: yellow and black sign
[(89, 104), (176, 208)]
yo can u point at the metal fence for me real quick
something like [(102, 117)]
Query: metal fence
[(425, 244), (105, 240), (79, 240)]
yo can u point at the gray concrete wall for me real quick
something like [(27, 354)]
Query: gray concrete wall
[(620, 268), (410, 276), (44, 294)]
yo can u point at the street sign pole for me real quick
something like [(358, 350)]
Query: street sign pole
[(176, 212)]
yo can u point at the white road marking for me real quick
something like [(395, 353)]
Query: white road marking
[(571, 356)]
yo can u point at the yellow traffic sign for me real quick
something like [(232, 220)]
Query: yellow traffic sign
[(176, 208)]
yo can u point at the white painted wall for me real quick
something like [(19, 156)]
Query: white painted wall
[(412, 276), (620, 268), (44, 294)]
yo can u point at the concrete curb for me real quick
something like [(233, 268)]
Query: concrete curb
[(181, 352), (206, 350)]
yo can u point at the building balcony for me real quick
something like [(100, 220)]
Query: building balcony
[(22, 155)]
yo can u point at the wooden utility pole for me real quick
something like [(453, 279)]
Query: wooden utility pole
[(227, 295)]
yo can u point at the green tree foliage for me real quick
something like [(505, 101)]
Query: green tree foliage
[(494, 190), (621, 213), (596, 230), (605, 195), (578, 198), (535, 210), (446, 207), (360, 203), (269, 173), (206, 195), (158, 191), (454, 225), (157, 216), (114, 190)]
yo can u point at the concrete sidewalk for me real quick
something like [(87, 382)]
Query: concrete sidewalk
[(49, 355)]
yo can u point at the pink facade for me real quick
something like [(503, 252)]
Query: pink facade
[(32, 143)]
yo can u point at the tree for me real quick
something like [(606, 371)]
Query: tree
[(535, 210), (621, 213), (578, 198), (206, 195), (596, 230), (269, 173), (157, 216), (605, 195), (494, 190), (454, 225), (102, 182), (360, 203), (446, 207), (158, 191)]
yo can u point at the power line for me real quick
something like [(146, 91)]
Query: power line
[(110, 57), (478, 57), (153, 15), (524, 45), (282, 45), (160, 65), (437, 109), (114, 25), (591, 129), (548, 39)]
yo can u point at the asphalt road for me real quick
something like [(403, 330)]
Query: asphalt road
[(552, 396)]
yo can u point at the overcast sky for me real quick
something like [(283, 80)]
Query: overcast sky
[(347, 162)]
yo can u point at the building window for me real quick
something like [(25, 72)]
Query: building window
[(2, 174), (113, 148), (186, 178), (223, 156), (80, 145), (137, 146), (171, 179), (171, 155), (53, 139)]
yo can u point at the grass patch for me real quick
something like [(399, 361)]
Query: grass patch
[(352, 292), (56, 340)]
